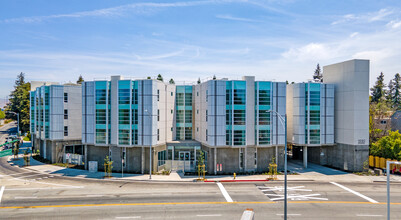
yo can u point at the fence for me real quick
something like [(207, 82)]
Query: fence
[(380, 162)]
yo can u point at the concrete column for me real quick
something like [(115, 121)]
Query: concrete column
[(86, 156), (143, 161), (305, 152), (215, 161), (44, 149), (277, 155)]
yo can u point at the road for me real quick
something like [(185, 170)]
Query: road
[(5, 130), (25, 194)]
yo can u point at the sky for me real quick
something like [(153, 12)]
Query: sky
[(58, 40)]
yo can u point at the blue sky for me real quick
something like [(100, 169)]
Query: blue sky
[(58, 40)]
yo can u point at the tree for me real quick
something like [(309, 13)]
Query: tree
[(148, 77), (214, 77), (388, 147), (171, 81), (19, 102), (199, 81), (2, 114), (389, 95), (377, 112), (395, 92), (318, 76), (286, 82), (378, 89), (80, 79), (160, 77)]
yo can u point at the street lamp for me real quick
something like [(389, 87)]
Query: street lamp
[(283, 122), (150, 149), (10, 112)]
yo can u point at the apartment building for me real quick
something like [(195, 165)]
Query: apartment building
[(235, 124), (310, 116), (55, 120)]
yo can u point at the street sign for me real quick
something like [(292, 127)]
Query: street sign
[(6, 153), (67, 156)]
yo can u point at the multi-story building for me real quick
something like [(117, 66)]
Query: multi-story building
[(235, 124), (310, 115), (55, 119), (123, 118)]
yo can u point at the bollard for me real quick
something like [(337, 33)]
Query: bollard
[(234, 175)]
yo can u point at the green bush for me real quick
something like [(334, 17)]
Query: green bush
[(2, 114), (388, 147)]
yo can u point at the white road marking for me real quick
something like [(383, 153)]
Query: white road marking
[(290, 214), (224, 192), (128, 217), (47, 188), (1, 192), (212, 215), (281, 189), (297, 197), (94, 195), (362, 215), (23, 177), (354, 192)]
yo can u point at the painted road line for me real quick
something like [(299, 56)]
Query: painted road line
[(1, 192), (23, 177), (354, 192), (26, 197), (211, 215), (362, 215), (224, 192), (128, 217)]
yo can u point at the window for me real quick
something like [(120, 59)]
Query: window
[(206, 115), (158, 134), (314, 136), (171, 93), (180, 116), (123, 116), (239, 117), (65, 97), (158, 95), (179, 99), (135, 96), (134, 136), (134, 116), (197, 93), (158, 115), (239, 137), (171, 128), (100, 136), (100, 96), (123, 137), (188, 99), (101, 116), (65, 114), (206, 96), (383, 122), (123, 96), (197, 129), (65, 130), (197, 111), (239, 97), (229, 137), (264, 97), (264, 137), (228, 117), (264, 117), (172, 111), (206, 134), (188, 116)]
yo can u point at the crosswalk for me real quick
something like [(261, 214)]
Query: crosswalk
[(297, 193)]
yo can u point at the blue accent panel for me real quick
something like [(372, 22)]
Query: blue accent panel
[(239, 127), (124, 106), (123, 127), (124, 84), (181, 108), (100, 126), (239, 107), (100, 84), (264, 85), (314, 87), (135, 127), (100, 106), (264, 107), (264, 127), (313, 127), (314, 107), (228, 127), (229, 85), (229, 107), (239, 85), (134, 106)]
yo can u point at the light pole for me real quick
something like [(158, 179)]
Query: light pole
[(283, 122), (150, 148), (18, 131)]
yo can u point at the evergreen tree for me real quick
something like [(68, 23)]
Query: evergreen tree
[(378, 89), (389, 95), (171, 81), (148, 77), (160, 77), (214, 77), (199, 81), (318, 76), (19, 102), (396, 92), (80, 79)]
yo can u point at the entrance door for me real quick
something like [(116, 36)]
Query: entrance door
[(184, 156)]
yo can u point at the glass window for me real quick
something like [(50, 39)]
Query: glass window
[(123, 137), (188, 99), (188, 133), (101, 136), (264, 117), (65, 130), (135, 96), (315, 136), (65, 97), (239, 137), (101, 96), (180, 116), (229, 137), (123, 116), (239, 96), (101, 116), (228, 117), (123, 96), (134, 116), (188, 116), (179, 99), (264, 137), (239, 117), (135, 136), (264, 97), (65, 113)]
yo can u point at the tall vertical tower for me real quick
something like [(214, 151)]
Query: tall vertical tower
[(351, 113)]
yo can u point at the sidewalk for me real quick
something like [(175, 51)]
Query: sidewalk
[(313, 173)]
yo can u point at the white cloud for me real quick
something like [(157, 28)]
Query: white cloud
[(140, 8), (353, 34), (232, 18), (311, 51), (380, 15), (394, 24)]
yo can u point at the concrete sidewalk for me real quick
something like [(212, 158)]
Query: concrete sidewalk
[(313, 173)]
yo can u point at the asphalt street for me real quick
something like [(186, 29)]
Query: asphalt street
[(25, 194), (6, 130)]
